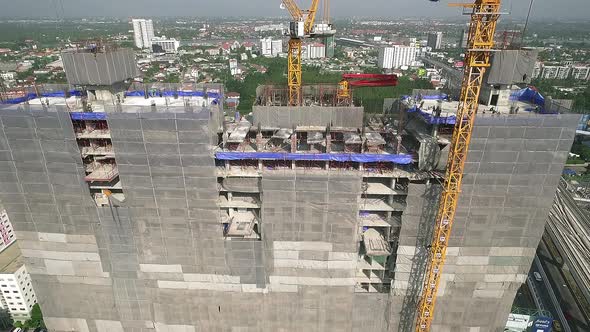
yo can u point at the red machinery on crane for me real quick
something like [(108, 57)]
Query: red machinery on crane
[(344, 96)]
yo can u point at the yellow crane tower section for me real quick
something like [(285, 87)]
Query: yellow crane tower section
[(300, 27), (484, 17)]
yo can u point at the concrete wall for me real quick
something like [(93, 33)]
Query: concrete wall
[(511, 175), (289, 116), (99, 68)]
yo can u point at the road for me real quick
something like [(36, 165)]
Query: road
[(556, 280)]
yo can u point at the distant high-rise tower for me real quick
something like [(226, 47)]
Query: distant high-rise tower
[(464, 37), (396, 56), (435, 40), (143, 33)]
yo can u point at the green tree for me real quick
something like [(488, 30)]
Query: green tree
[(35, 321), (582, 150), (6, 321), (36, 317)]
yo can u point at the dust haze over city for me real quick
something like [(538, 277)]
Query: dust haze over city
[(567, 9), (294, 165)]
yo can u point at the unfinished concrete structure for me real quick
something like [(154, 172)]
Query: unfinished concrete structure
[(307, 219)]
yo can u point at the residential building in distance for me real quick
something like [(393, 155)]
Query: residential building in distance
[(165, 45), (234, 68), (385, 58), (464, 37), (396, 56), (581, 73), (556, 72), (313, 51), (271, 47), (143, 32), (537, 69), (277, 47), (435, 40), (266, 47), (16, 289), (6, 231)]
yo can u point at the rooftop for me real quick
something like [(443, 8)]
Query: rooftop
[(10, 259)]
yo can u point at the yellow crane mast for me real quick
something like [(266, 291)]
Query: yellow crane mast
[(300, 27), (484, 17)]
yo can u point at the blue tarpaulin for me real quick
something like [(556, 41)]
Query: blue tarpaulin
[(529, 95), (442, 96), (88, 116), (570, 172), (30, 96), (341, 157), (134, 94), (20, 99)]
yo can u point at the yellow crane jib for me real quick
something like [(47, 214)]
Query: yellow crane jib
[(484, 17), (300, 27)]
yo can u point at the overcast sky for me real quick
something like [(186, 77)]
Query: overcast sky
[(556, 9)]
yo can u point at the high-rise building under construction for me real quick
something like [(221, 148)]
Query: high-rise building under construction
[(144, 209)]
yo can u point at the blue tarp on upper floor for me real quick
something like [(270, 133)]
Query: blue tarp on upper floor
[(402, 159), (88, 115)]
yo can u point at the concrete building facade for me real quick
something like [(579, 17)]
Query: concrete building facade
[(556, 72), (435, 40), (270, 47), (396, 56), (464, 38), (143, 32), (313, 51), (16, 290), (277, 47), (7, 236), (581, 73), (165, 45)]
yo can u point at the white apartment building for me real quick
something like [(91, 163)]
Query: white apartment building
[(313, 51), (165, 45), (266, 47), (580, 72), (537, 70), (277, 47), (270, 47), (396, 56), (8, 76), (556, 72), (234, 68), (143, 33), (17, 294), (464, 38), (6, 232)]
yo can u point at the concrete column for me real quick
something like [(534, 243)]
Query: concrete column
[(294, 142), (259, 146)]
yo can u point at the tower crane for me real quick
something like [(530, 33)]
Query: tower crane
[(302, 26), (484, 17)]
